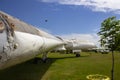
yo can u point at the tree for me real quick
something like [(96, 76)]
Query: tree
[(110, 37)]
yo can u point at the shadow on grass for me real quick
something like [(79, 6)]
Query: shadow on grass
[(28, 70)]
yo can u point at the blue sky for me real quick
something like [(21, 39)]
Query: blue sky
[(64, 17)]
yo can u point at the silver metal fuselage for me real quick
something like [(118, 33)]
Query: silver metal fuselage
[(79, 45), (22, 43)]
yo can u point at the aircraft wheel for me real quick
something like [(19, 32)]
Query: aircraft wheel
[(44, 60), (44, 57), (77, 55)]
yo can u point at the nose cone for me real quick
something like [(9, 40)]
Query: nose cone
[(50, 43)]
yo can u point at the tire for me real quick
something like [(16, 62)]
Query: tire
[(77, 55)]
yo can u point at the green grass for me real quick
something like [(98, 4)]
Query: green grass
[(64, 67)]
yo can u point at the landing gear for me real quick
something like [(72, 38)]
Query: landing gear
[(38, 60), (77, 54), (44, 57)]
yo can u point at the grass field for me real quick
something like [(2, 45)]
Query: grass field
[(64, 67)]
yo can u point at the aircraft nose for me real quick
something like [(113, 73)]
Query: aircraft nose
[(50, 44)]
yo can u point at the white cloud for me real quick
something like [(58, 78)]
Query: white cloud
[(95, 5), (83, 37)]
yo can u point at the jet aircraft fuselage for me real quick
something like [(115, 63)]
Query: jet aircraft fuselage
[(20, 42)]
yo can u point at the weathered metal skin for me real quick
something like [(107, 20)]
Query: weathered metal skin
[(79, 45), (7, 38), (20, 42)]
